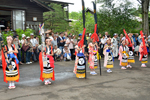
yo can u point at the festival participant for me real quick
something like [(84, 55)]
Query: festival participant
[(114, 42), (79, 68), (91, 58), (108, 56), (123, 56), (96, 54), (131, 51), (47, 63), (10, 65), (143, 52)]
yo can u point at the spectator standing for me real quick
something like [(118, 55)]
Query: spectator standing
[(121, 36), (74, 40), (51, 36), (16, 43), (106, 35), (29, 50), (115, 45), (23, 41), (137, 44), (34, 42), (61, 42), (47, 35), (54, 42), (70, 44), (67, 53), (66, 35), (103, 42)]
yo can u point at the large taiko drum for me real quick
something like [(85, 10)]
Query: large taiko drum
[(81, 66)]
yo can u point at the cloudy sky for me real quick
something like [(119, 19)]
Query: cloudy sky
[(88, 3)]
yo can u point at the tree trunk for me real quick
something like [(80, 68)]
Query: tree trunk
[(145, 10)]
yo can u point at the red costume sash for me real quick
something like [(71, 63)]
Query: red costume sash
[(51, 60), (4, 64)]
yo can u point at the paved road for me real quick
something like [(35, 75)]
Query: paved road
[(130, 84)]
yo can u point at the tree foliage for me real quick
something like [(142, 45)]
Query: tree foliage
[(56, 19), (111, 17), (77, 26)]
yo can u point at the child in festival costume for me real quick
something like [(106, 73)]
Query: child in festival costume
[(143, 51), (143, 58), (123, 56), (47, 63), (108, 56), (131, 51), (91, 58), (10, 65), (95, 52), (77, 51)]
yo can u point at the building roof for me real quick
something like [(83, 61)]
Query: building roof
[(43, 4), (58, 2), (89, 10)]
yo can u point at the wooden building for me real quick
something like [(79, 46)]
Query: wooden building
[(25, 13)]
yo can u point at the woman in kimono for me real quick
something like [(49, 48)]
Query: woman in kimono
[(91, 57), (143, 58), (10, 64), (77, 51), (108, 56), (131, 52), (95, 52), (47, 63), (123, 54)]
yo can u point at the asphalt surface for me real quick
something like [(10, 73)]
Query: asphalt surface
[(130, 84)]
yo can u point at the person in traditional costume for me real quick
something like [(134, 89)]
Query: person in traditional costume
[(79, 68), (131, 51), (91, 57), (108, 55), (10, 64), (46, 61), (96, 54), (143, 56), (114, 42), (123, 53)]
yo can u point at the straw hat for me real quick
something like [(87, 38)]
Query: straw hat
[(28, 37), (32, 34), (65, 45), (23, 35)]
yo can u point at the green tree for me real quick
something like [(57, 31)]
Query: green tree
[(114, 18), (77, 26), (144, 9), (56, 19)]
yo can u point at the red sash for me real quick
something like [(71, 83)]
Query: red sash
[(51, 60), (4, 64)]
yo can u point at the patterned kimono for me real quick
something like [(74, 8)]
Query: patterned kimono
[(95, 51), (144, 57), (108, 57), (123, 59), (11, 69), (131, 56), (47, 65), (80, 64), (91, 56)]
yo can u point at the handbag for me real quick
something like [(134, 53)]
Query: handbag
[(68, 57), (25, 48)]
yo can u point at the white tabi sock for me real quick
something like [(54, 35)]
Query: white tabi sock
[(10, 84)]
